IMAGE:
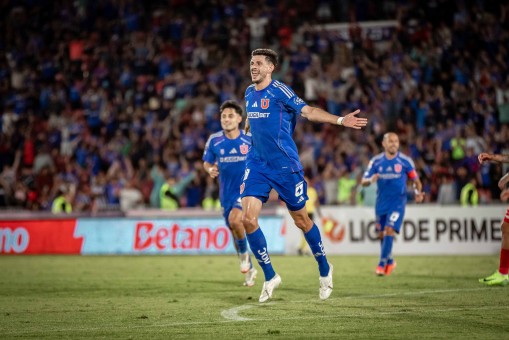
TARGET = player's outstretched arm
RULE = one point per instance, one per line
(487, 157)
(318, 115)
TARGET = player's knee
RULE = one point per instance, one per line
(303, 222)
(389, 231)
(235, 224)
(249, 222)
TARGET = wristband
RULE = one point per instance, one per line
(340, 120)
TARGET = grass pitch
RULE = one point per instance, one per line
(202, 297)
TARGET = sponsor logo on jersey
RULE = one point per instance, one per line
(221, 151)
(398, 168)
(389, 168)
(233, 151)
(265, 103)
(244, 148)
(255, 104)
(254, 115)
(389, 176)
(232, 159)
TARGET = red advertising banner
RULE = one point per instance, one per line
(39, 237)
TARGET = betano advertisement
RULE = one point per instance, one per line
(427, 230)
(129, 236)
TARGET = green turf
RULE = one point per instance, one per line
(202, 297)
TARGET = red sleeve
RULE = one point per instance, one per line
(412, 174)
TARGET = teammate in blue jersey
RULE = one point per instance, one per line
(225, 156)
(273, 163)
(390, 170)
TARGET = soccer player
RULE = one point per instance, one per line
(273, 163)
(225, 156)
(500, 277)
(390, 170)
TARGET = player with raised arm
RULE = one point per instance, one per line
(273, 163)
(391, 170)
(225, 157)
(500, 277)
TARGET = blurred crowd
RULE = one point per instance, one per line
(103, 102)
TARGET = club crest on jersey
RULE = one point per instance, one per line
(242, 187)
(398, 168)
(265, 103)
(244, 148)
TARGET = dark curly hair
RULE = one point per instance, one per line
(268, 53)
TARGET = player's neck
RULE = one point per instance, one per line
(266, 82)
(389, 156)
(232, 134)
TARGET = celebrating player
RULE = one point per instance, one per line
(225, 156)
(273, 163)
(390, 170)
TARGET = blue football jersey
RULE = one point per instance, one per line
(392, 178)
(230, 155)
(272, 114)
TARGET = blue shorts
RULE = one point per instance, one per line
(291, 187)
(392, 219)
(228, 208)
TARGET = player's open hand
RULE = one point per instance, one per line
(351, 121)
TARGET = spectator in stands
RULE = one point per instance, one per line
(62, 203)
(469, 194)
(171, 192)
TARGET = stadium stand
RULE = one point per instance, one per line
(106, 99)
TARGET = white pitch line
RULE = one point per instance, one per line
(232, 313)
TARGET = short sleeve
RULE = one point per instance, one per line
(208, 154)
